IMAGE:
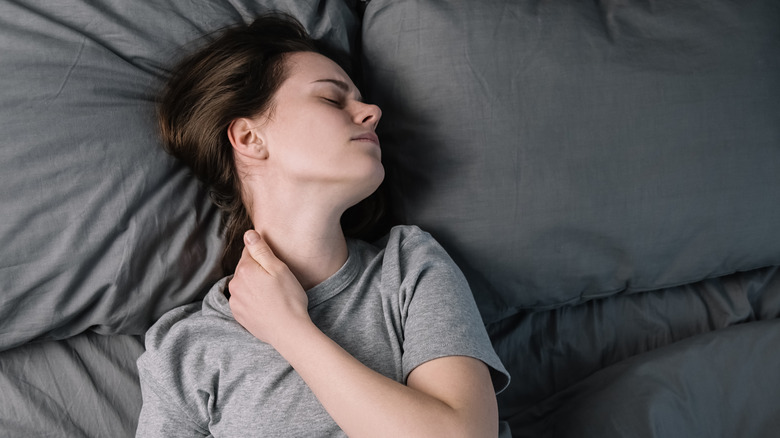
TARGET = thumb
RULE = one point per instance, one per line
(260, 251)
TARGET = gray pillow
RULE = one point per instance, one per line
(563, 151)
(100, 229)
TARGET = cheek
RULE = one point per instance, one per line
(314, 125)
(286, 134)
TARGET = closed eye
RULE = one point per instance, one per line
(333, 101)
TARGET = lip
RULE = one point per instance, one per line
(368, 136)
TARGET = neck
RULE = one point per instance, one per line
(307, 237)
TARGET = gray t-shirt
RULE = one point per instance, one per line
(393, 307)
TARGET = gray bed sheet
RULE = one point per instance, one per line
(720, 384)
(553, 356)
(84, 386)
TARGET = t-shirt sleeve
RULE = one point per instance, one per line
(169, 399)
(441, 317)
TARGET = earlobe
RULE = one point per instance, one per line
(246, 139)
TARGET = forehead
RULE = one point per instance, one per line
(310, 66)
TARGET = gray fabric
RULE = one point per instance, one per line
(84, 386)
(393, 307)
(564, 151)
(555, 349)
(718, 385)
(99, 229)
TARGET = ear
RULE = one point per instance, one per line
(245, 136)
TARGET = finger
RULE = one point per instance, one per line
(260, 251)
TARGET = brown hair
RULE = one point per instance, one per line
(235, 75)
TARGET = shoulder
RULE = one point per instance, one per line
(413, 262)
(188, 333)
(406, 233)
(177, 322)
(174, 324)
(409, 243)
(403, 245)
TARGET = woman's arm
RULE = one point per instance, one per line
(451, 396)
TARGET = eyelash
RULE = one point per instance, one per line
(335, 102)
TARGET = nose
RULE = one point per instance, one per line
(368, 114)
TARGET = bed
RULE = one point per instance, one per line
(606, 174)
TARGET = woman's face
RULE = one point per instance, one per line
(320, 133)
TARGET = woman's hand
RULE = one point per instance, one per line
(265, 296)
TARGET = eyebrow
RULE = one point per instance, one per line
(340, 84)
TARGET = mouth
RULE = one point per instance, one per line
(369, 136)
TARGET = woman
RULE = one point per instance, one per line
(315, 334)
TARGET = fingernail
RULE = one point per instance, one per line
(251, 237)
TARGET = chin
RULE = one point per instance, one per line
(379, 176)
(369, 184)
